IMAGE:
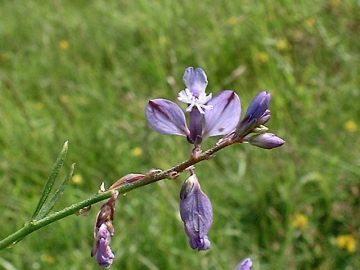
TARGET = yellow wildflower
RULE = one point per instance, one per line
(282, 44)
(77, 179)
(347, 242)
(232, 21)
(47, 259)
(137, 151)
(65, 99)
(350, 126)
(64, 44)
(310, 22)
(261, 57)
(335, 3)
(300, 221)
(39, 106)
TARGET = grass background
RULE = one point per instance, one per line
(83, 71)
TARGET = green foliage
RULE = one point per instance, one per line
(84, 70)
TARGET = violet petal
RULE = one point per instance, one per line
(166, 117)
(225, 114)
(196, 213)
(104, 256)
(196, 119)
(195, 80)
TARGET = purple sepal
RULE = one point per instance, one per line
(166, 117)
(264, 118)
(196, 213)
(265, 140)
(195, 80)
(224, 115)
(196, 119)
(255, 113)
(104, 256)
(245, 265)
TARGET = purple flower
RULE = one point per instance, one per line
(102, 247)
(196, 213)
(245, 265)
(265, 140)
(208, 116)
(258, 113)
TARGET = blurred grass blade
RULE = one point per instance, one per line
(51, 180)
(59, 192)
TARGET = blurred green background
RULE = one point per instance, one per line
(83, 71)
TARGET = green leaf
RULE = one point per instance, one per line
(59, 192)
(51, 180)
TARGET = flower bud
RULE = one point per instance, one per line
(245, 265)
(257, 114)
(265, 140)
(196, 213)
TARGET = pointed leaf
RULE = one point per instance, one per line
(51, 180)
(59, 192)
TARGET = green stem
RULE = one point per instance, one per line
(123, 188)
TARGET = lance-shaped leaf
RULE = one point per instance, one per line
(58, 193)
(224, 115)
(196, 213)
(51, 180)
(166, 117)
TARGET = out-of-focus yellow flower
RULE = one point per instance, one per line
(335, 3)
(233, 20)
(300, 221)
(39, 106)
(77, 179)
(47, 259)
(298, 35)
(282, 44)
(310, 22)
(64, 44)
(347, 242)
(261, 57)
(137, 151)
(350, 126)
(65, 99)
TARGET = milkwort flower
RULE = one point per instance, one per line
(196, 213)
(209, 116)
(103, 231)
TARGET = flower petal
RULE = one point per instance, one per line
(195, 80)
(224, 115)
(196, 213)
(104, 256)
(196, 119)
(166, 117)
(265, 140)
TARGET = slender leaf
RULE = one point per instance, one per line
(47, 207)
(51, 180)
